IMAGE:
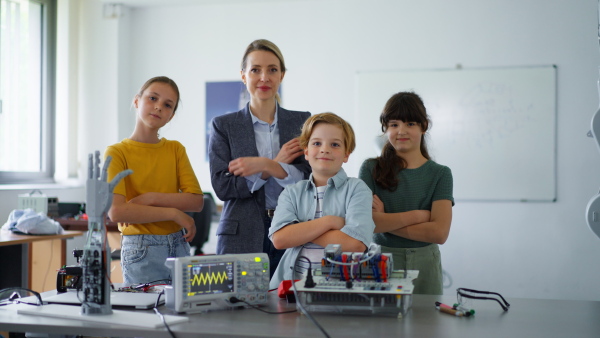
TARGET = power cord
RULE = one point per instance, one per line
(309, 283)
(299, 302)
(162, 317)
(234, 300)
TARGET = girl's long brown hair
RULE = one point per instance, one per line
(405, 107)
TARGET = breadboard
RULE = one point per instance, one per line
(392, 297)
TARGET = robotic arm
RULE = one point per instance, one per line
(96, 258)
(99, 191)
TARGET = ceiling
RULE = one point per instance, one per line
(157, 3)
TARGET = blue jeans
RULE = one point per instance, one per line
(143, 256)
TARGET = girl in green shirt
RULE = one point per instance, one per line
(412, 202)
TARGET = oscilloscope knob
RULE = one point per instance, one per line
(250, 286)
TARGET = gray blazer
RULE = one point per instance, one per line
(241, 228)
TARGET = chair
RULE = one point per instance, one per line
(203, 219)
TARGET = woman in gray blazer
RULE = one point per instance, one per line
(253, 154)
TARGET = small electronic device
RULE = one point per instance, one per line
(69, 276)
(357, 283)
(39, 202)
(202, 283)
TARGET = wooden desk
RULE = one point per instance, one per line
(82, 225)
(31, 261)
(9, 238)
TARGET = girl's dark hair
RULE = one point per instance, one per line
(405, 107)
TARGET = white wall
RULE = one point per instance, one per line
(533, 250)
(538, 250)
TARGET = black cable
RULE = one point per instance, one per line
(158, 298)
(299, 303)
(162, 317)
(146, 285)
(309, 283)
(234, 300)
(504, 304)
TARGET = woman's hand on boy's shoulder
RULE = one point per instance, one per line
(289, 151)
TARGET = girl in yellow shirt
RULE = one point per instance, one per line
(150, 204)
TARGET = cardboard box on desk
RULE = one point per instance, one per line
(39, 202)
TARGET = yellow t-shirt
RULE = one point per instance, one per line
(162, 167)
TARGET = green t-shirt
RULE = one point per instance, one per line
(417, 189)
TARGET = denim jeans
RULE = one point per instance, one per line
(143, 256)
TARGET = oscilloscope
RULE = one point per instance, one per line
(202, 283)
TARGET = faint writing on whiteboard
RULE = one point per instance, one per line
(484, 115)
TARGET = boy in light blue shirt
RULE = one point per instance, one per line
(328, 208)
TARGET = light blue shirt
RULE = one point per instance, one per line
(267, 143)
(347, 197)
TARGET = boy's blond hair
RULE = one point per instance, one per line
(330, 118)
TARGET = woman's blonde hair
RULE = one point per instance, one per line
(266, 45)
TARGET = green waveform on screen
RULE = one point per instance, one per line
(209, 278)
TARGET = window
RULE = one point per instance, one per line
(27, 67)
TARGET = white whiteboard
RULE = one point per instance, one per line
(494, 128)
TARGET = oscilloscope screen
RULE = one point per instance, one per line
(211, 278)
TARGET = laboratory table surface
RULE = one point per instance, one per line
(525, 318)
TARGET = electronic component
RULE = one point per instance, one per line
(39, 202)
(201, 283)
(69, 277)
(357, 283)
(96, 287)
(96, 252)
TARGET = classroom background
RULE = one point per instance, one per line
(519, 249)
